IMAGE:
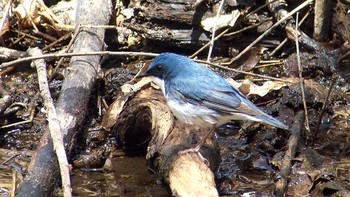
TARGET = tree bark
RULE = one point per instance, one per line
(75, 93)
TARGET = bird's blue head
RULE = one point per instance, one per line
(167, 66)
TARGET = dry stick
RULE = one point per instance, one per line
(123, 53)
(102, 26)
(45, 36)
(343, 57)
(18, 39)
(29, 17)
(62, 38)
(14, 181)
(301, 73)
(214, 31)
(8, 54)
(322, 20)
(224, 34)
(206, 45)
(4, 17)
(57, 55)
(261, 65)
(54, 17)
(25, 35)
(247, 28)
(54, 124)
(31, 118)
(255, 25)
(71, 27)
(7, 160)
(270, 61)
(301, 6)
(70, 44)
(286, 39)
(260, 8)
(322, 111)
(65, 27)
(281, 185)
(278, 47)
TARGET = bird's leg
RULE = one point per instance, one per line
(200, 143)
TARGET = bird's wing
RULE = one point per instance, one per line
(214, 93)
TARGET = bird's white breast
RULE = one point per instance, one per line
(159, 83)
(193, 114)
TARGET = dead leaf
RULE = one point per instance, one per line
(28, 13)
(252, 58)
(249, 88)
(223, 21)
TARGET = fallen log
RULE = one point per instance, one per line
(144, 117)
(72, 103)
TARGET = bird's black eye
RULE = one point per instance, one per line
(157, 71)
(159, 68)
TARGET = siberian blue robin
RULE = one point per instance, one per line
(199, 96)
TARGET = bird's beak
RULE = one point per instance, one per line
(143, 71)
(140, 75)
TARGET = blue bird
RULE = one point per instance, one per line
(199, 96)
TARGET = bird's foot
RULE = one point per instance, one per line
(195, 150)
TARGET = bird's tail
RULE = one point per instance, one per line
(265, 118)
(255, 114)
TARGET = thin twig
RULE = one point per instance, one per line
(57, 55)
(322, 111)
(14, 181)
(70, 44)
(208, 44)
(247, 28)
(62, 38)
(259, 8)
(29, 16)
(45, 36)
(301, 73)
(281, 184)
(229, 34)
(286, 39)
(278, 47)
(125, 53)
(31, 118)
(26, 35)
(102, 26)
(277, 63)
(48, 10)
(10, 158)
(5, 14)
(301, 6)
(54, 124)
(235, 32)
(214, 31)
(344, 56)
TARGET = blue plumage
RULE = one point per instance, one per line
(199, 96)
